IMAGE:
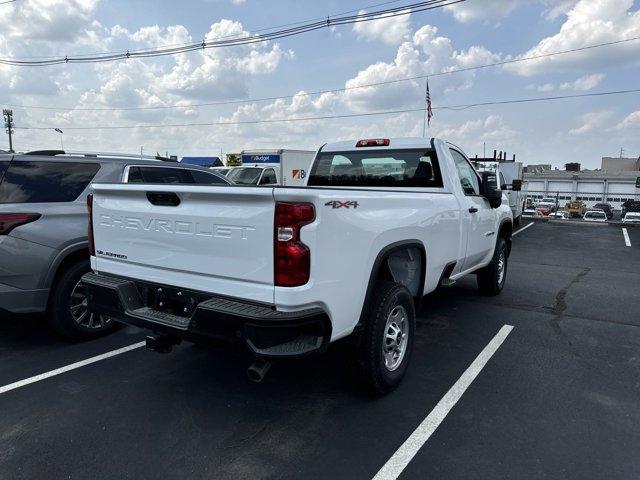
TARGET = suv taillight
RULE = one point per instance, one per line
(292, 259)
(92, 246)
(9, 221)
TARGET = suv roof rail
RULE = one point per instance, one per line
(76, 153)
(47, 153)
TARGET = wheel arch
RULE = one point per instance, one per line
(70, 255)
(384, 269)
(506, 232)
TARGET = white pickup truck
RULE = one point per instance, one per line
(285, 271)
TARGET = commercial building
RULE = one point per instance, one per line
(618, 180)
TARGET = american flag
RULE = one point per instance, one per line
(428, 100)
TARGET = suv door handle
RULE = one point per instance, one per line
(473, 210)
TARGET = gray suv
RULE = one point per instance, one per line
(43, 228)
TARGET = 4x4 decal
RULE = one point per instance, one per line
(340, 204)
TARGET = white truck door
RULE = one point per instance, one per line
(478, 218)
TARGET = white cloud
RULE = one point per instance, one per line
(238, 2)
(425, 54)
(545, 87)
(389, 29)
(588, 22)
(47, 20)
(591, 121)
(584, 83)
(483, 10)
(631, 121)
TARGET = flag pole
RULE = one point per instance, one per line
(424, 114)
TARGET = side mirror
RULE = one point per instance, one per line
(490, 189)
(516, 185)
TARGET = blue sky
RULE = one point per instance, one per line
(471, 33)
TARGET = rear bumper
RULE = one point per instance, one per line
(267, 332)
(16, 300)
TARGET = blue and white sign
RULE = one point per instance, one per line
(249, 159)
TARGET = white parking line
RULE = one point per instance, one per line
(397, 463)
(523, 228)
(73, 366)
(627, 240)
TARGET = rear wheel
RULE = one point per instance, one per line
(68, 311)
(387, 340)
(491, 279)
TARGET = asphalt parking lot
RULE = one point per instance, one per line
(558, 398)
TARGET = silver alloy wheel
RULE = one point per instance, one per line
(80, 311)
(502, 261)
(394, 344)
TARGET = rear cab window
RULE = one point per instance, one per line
(377, 168)
(45, 181)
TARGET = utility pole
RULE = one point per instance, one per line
(8, 125)
(621, 152)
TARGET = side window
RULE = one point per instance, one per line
(3, 166)
(468, 176)
(39, 182)
(159, 175)
(204, 178)
(268, 177)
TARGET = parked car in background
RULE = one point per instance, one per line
(43, 228)
(631, 217)
(206, 162)
(548, 203)
(559, 215)
(630, 206)
(253, 176)
(576, 208)
(544, 211)
(595, 216)
(531, 213)
(605, 207)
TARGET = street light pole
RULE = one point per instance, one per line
(8, 125)
(61, 143)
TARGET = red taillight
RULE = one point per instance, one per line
(374, 142)
(92, 246)
(292, 259)
(9, 221)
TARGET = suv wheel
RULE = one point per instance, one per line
(69, 315)
(387, 340)
(491, 278)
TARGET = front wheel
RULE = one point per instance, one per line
(69, 315)
(491, 279)
(387, 340)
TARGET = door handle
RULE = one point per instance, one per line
(473, 210)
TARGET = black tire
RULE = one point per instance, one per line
(490, 281)
(60, 317)
(376, 376)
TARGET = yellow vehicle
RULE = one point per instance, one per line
(576, 208)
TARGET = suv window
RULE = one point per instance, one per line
(38, 182)
(138, 174)
(468, 176)
(268, 177)
(3, 166)
(377, 168)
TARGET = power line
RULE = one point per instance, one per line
(335, 90)
(244, 40)
(8, 1)
(346, 115)
(234, 35)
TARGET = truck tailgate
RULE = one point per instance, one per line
(212, 239)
